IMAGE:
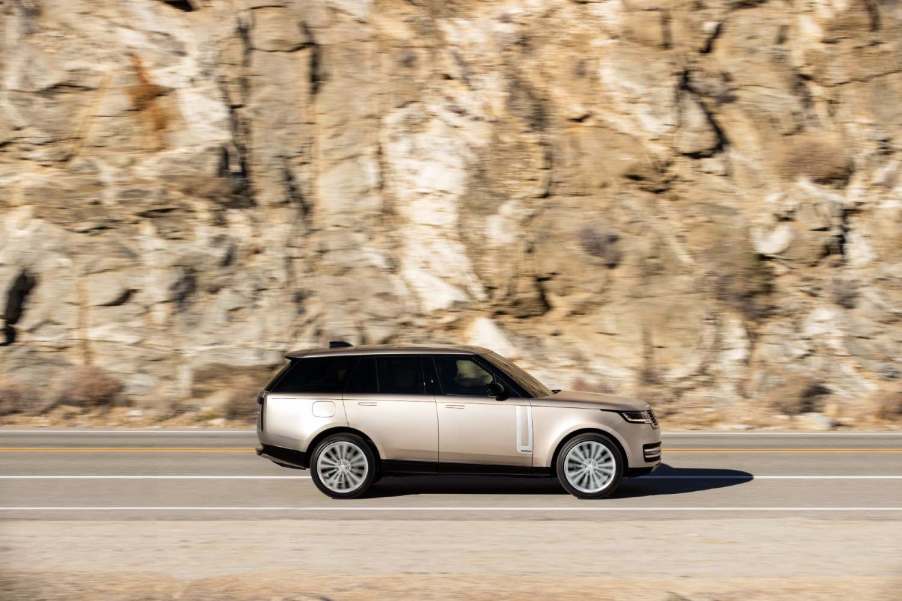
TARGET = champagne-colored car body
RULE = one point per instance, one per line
(431, 432)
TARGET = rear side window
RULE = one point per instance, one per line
(391, 375)
(316, 374)
(363, 379)
(400, 375)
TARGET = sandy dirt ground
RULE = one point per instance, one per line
(295, 560)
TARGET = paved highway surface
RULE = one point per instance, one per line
(204, 475)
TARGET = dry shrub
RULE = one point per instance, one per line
(242, 401)
(601, 244)
(90, 386)
(583, 385)
(845, 293)
(888, 404)
(797, 395)
(741, 279)
(13, 396)
(239, 384)
(820, 158)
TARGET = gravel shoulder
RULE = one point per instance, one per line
(748, 559)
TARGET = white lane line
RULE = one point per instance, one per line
(127, 431)
(639, 479)
(665, 435)
(446, 509)
(151, 477)
(753, 477)
(694, 433)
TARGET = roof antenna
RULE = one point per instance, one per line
(339, 344)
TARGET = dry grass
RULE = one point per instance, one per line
(90, 386)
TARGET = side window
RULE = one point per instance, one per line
(317, 374)
(363, 378)
(462, 376)
(270, 387)
(400, 375)
(429, 376)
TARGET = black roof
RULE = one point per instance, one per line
(388, 350)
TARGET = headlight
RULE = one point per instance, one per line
(637, 417)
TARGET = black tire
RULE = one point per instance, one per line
(332, 445)
(586, 491)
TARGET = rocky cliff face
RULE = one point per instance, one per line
(697, 201)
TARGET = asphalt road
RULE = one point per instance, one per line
(212, 475)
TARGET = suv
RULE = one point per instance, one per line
(353, 414)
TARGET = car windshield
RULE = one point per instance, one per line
(529, 383)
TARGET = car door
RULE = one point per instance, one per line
(387, 399)
(474, 427)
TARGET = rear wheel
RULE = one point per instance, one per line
(343, 466)
(589, 466)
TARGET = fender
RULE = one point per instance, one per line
(336, 429)
(552, 440)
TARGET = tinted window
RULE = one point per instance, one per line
(317, 374)
(363, 377)
(429, 375)
(459, 375)
(400, 375)
(275, 379)
(518, 375)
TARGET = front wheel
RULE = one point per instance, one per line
(589, 466)
(343, 466)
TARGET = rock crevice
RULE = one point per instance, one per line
(698, 204)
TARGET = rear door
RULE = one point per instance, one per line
(387, 398)
(475, 428)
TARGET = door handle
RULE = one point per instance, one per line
(367, 403)
(454, 406)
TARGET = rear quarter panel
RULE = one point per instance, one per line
(291, 421)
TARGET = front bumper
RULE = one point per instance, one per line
(644, 448)
(651, 452)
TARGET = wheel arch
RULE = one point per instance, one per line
(342, 430)
(590, 430)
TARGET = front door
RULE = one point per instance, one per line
(475, 428)
(386, 398)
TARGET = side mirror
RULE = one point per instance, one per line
(498, 391)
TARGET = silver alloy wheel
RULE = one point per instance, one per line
(342, 466)
(590, 467)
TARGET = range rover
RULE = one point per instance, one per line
(353, 414)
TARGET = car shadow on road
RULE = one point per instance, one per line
(669, 480)
(666, 480)
(397, 486)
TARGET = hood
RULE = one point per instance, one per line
(591, 400)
